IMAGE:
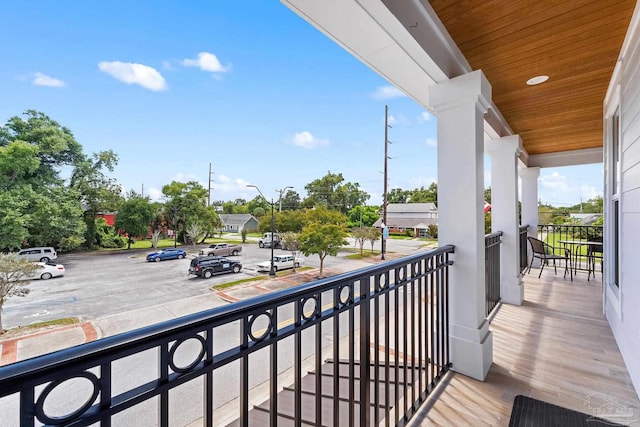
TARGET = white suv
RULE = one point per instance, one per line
(39, 254)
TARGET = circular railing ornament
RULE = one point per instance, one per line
(176, 345)
(53, 420)
(267, 330)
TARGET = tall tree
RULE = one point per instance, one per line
(187, 201)
(98, 192)
(55, 147)
(363, 216)
(290, 201)
(38, 209)
(135, 216)
(330, 192)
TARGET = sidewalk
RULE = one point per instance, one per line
(46, 341)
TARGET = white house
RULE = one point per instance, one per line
(416, 217)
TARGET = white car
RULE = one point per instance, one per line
(281, 262)
(47, 270)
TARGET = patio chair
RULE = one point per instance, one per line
(594, 252)
(545, 253)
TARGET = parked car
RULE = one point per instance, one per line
(169, 253)
(281, 262)
(47, 270)
(44, 254)
(222, 249)
(207, 266)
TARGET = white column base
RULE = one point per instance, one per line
(470, 358)
(512, 291)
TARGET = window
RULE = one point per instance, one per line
(613, 132)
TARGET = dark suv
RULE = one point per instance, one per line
(207, 266)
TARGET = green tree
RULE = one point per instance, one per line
(13, 222)
(398, 195)
(363, 216)
(53, 147)
(98, 192)
(38, 209)
(135, 216)
(188, 202)
(330, 192)
(13, 272)
(290, 201)
(324, 234)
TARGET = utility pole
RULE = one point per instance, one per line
(283, 190)
(209, 190)
(384, 192)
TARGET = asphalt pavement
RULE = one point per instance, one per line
(48, 340)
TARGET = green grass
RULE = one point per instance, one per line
(357, 255)
(254, 279)
(25, 329)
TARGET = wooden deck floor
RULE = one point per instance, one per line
(556, 347)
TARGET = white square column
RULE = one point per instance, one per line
(460, 105)
(529, 179)
(504, 154)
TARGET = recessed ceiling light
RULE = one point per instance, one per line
(537, 80)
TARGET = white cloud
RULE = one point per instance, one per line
(154, 194)
(431, 142)
(387, 92)
(554, 181)
(558, 190)
(207, 62)
(425, 117)
(306, 140)
(40, 79)
(131, 73)
(184, 177)
(227, 185)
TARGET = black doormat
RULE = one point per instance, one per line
(528, 412)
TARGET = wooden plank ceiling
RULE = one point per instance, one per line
(576, 43)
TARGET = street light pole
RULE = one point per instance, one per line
(272, 270)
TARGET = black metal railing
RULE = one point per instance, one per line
(569, 236)
(492, 244)
(524, 245)
(386, 324)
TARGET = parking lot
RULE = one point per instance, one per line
(101, 284)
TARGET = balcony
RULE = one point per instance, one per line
(556, 347)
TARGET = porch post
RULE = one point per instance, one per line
(529, 178)
(504, 213)
(460, 105)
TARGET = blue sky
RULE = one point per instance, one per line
(246, 86)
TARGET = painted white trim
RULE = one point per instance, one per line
(566, 158)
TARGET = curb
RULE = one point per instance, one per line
(9, 351)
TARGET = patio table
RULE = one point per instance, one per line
(574, 248)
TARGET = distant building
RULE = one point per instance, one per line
(410, 216)
(235, 223)
(109, 217)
